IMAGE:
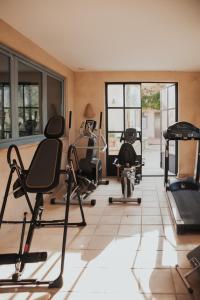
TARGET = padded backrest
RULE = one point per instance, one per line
(130, 135)
(43, 173)
(127, 155)
(55, 127)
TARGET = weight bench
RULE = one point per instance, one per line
(42, 176)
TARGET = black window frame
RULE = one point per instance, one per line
(123, 108)
(14, 58)
(170, 83)
(109, 157)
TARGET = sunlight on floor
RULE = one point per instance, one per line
(125, 252)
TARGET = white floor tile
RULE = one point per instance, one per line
(126, 251)
(106, 229)
(130, 230)
(151, 220)
(134, 220)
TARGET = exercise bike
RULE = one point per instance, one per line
(129, 166)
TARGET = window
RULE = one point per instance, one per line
(29, 100)
(5, 106)
(29, 95)
(54, 96)
(144, 121)
(123, 111)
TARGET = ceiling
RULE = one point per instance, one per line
(112, 35)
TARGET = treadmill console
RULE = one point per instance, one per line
(182, 131)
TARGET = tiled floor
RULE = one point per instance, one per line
(125, 252)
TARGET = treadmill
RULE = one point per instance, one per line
(183, 195)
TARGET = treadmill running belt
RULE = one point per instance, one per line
(188, 204)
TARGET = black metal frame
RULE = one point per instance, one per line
(24, 256)
(124, 111)
(180, 225)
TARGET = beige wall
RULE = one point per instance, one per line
(90, 87)
(16, 41)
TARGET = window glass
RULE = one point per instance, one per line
(29, 100)
(133, 118)
(172, 147)
(115, 120)
(114, 143)
(54, 97)
(132, 95)
(137, 147)
(171, 117)
(5, 103)
(144, 121)
(163, 98)
(115, 95)
(164, 121)
(171, 96)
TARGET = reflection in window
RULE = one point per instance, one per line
(54, 97)
(29, 100)
(5, 106)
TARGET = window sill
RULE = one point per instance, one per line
(24, 142)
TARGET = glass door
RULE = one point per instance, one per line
(123, 107)
(168, 109)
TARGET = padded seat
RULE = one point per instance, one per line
(127, 155)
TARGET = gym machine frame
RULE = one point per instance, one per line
(183, 131)
(23, 187)
(85, 132)
(191, 184)
(102, 146)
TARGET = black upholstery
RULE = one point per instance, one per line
(87, 165)
(130, 135)
(55, 127)
(43, 173)
(127, 155)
